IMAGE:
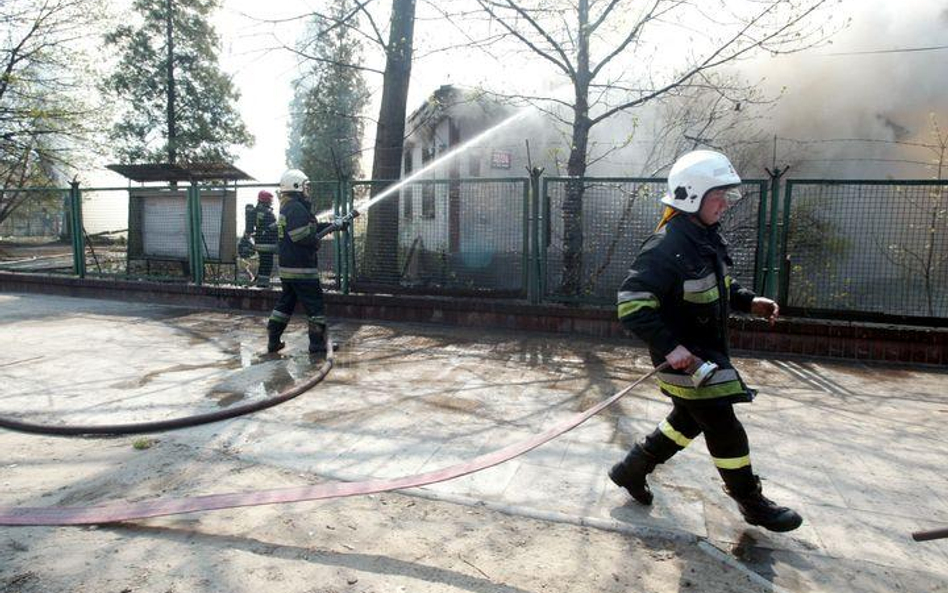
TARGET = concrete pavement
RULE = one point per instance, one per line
(859, 450)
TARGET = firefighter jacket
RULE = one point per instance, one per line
(265, 229)
(679, 292)
(297, 229)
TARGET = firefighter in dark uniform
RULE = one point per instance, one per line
(299, 276)
(264, 236)
(676, 298)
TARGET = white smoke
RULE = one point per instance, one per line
(846, 112)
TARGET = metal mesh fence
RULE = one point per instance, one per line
(443, 237)
(146, 232)
(106, 229)
(34, 237)
(867, 246)
(617, 215)
(143, 232)
(847, 247)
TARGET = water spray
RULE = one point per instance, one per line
(340, 221)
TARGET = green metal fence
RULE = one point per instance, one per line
(164, 233)
(861, 249)
(36, 233)
(866, 247)
(617, 215)
(436, 236)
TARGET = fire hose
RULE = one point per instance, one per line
(176, 423)
(924, 536)
(126, 511)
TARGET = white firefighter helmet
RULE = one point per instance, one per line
(693, 175)
(294, 180)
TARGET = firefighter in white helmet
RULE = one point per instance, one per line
(297, 243)
(677, 298)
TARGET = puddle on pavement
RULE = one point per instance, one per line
(260, 375)
(252, 372)
(177, 368)
(226, 399)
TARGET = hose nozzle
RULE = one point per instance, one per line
(701, 371)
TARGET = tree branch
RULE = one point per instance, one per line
(332, 62)
(715, 58)
(565, 65)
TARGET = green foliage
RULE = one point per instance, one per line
(326, 125)
(208, 126)
(817, 245)
(47, 114)
(142, 443)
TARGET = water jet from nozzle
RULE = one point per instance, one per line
(365, 205)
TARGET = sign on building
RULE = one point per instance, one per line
(500, 159)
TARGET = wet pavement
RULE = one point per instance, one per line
(859, 450)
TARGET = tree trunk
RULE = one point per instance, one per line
(381, 248)
(576, 166)
(172, 128)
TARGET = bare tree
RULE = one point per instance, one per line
(608, 52)
(381, 250)
(46, 114)
(398, 50)
(927, 255)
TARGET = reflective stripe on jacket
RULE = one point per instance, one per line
(298, 244)
(265, 229)
(679, 292)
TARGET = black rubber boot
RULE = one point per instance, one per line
(757, 508)
(274, 331)
(317, 338)
(630, 473)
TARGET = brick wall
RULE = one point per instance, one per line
(805, 337)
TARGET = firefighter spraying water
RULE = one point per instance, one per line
(300, 234)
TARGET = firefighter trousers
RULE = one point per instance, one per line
(723, 434)
(310, 294)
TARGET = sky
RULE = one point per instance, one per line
(884, 96)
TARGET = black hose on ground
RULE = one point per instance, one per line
(924, 536)
(176, 423)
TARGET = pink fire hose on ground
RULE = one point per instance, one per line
(127, 511)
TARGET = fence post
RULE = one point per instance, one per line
(771, 276)
(340, 208)
(76, 226)
(195, 234)
(783, 290)
(546, 233)
(348, 197)
(760, 260)
(532, 246)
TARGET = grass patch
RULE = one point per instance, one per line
(143, 443)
